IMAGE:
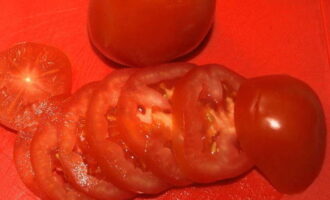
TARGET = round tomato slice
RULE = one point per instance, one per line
(46, 165)
(145, 118)
(281, 126)
(29, 73)
(205, 140)
(116, 160)
(29, 120)
(74, 153)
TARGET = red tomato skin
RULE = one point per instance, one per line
(281, 126)
(144, 32)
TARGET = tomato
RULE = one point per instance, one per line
(48, 171)
(144, 32)
(74, 153)
(117, 161)
(145, 118)
(281, 126)
(28, 125)
(29, 73)
(205, 140)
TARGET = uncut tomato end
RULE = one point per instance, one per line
(281, 126)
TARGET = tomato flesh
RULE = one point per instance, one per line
(75, 154)
(144, 32)
(30, 72)
(205, 140)
(145, 118)
(281, 126)
(116, 160)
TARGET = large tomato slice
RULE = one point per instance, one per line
(29, 120)
(30, 72)
(78, 164)
(116, 160)
(205, 139)
(144, 117)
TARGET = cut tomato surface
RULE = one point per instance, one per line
(116, 160)
(30, 72)
(77, 161)
(205, 140)
(28, 124)
(145, 118)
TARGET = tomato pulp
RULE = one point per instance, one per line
(280, 124)
(78, 163)
(117, 161)
(204, 136)
(145, 118)
(144, 32)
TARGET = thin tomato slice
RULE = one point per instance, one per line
(115, 159)
(48, 170)
(205, 139)
(30, 72)
(145, 118)
(43, 110)
(78, 164)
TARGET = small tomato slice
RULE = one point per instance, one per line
(281, 126)
(29, 121)
(30, 72)
(145, 118)
(77, 162)
(205, 140)
(46, 165)
(116, 160)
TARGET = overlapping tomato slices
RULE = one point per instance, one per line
(29, 73)
(77, 162)
(30, 119)
(138, 131)
(204, 135)
(145, 118)
(116, 159)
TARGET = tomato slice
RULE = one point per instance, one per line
(30, 72)
(29, 120)
(46, 165)
(281, 126)
(205, 140)
(144, 117)
(116, 160)
(77, 162)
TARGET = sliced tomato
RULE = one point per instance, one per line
(29, 121)
(205, 140)
(145, 118)
(116, 160)
(74, 153)
(29, 73)
(48, 170)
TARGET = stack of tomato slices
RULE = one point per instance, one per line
(137, 131)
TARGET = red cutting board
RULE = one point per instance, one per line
(252, 37)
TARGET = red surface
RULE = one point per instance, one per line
(252, 37)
